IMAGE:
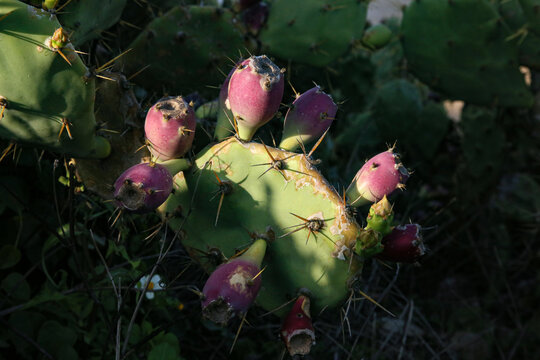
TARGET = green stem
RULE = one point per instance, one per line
(255, 253)
(176, 165)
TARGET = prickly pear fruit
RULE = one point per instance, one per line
(143, 187)
(403, 244)
(170, 128)
(381, 216)
(297, 330)
(377, 36)
(255, 92)
(380, 176)
(309, 117)
(232, 287)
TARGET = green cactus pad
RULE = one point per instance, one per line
(482, 143)
(253, 202)
(461, 48)
(401, 115)
(531, 10)
(528, 41)
(184, 48)
(313, 32)
(41, 88)
(87, 19)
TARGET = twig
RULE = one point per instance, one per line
(406, 329)
(118, 294)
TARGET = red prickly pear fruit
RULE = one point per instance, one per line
(297, 330)
(170, 128)
(225, 116)
(255, 93)
(380, 176)
(232, 287)
(404, 244)
(309, 117)
(143, 187)
(255, 17)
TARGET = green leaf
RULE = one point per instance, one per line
(45, 296)
(53, 337)
(16, 286)
(163, 351)
(167, 338)
(9, 256)
(67, 353)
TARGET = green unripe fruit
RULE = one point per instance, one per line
(377, 36)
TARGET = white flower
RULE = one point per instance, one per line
(154, 284)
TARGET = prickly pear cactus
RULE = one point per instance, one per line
(46, 90)
(531, 10)
(403, 114)
(87, 18)
(185, 48)
(236, 188)
(483, 146)
(462, 49)
(321, 30)
(528, 41)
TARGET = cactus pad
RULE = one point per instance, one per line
(321, 30)
(184, 48)
(49, 102)
(291, 202)
(87, 18)
(461, 48)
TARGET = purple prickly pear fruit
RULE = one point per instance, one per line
(255, 17)
(309, 117)
(404, 244)
(232, 287)
(143, 187)
(297, 330)
(380, 176)
(255, 93)
(170, 128)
